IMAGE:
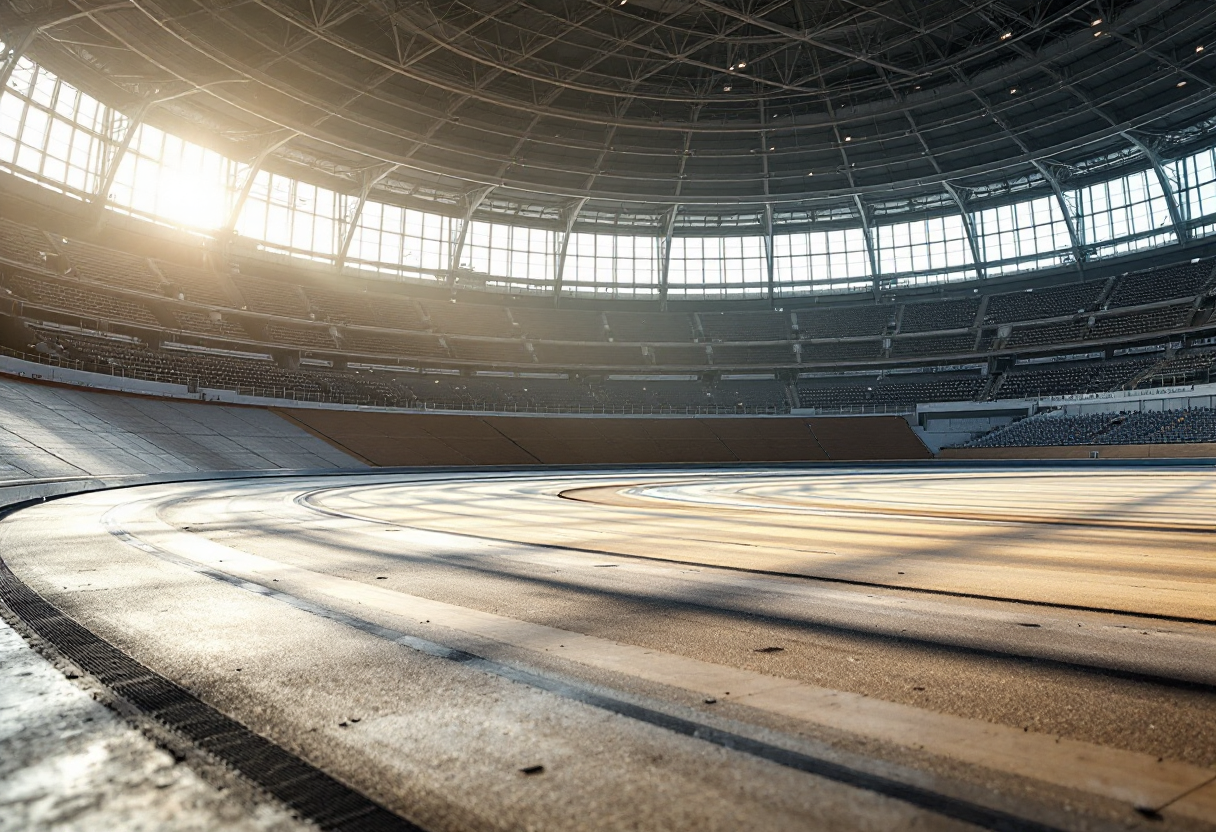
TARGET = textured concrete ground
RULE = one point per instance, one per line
(48, 431)
(1037, 645)
(70, 763)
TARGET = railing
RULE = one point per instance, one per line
(197, 384)
(860, 409)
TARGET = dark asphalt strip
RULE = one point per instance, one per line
(940, 804)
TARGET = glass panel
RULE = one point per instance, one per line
(934, 249)
(292, 217)
(821, 261)
(525, 255)
(607, 265)
(717, 267)
(1131, 207)
(1026, 235)
(51, 133)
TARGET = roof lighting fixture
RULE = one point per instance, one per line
(810, 173)
(848, 138)
(1013, 91)
(1007, 36)
(1182, 83)
(1199, 48)
(742, 64)
(1097, 22)
(726, 88)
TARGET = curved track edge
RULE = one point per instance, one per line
(319, 798)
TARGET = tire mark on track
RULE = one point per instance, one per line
(944, 805)
(306, 500)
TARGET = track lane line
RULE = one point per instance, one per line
(309, 499)
(1131, 777)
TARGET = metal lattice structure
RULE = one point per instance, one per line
(665, 117)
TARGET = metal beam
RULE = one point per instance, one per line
(968, 222)
(1074, 235)
(371, 178)
(768, 254)
(473, 201)
(969, 227)
(13, 52)
(1171, 198)
(871, 250)
(669, 228)
(255, 165)
(96, 212)
(1078, 251)
(571, 216)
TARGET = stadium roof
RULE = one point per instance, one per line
(745, 114)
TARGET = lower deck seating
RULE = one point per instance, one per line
(588, 355)
(1137, 428)
(76, 299)
(309, 337)
(770, 355)
(892, 391)
(1071, 377)
(1191, 367)
(203, 323)
(204, 369)
(197, 285)
(933, 345)
(24, 244)
(841, 351)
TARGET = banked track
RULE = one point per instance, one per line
(397, 650)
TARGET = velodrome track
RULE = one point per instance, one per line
(713, 649)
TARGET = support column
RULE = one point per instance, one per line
(1078, 251)
(768, 253)
(473, 202)
(255, 165)
(371, 178)
(21, 41)
(571, 216)
(101, 197)
(969, 227)
(871, 250)
(1167, 187)
(669, 228)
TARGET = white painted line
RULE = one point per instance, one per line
(1136, 778)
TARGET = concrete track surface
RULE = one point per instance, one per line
(772, 649)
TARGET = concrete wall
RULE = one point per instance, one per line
(425, 439)
(52, 431)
